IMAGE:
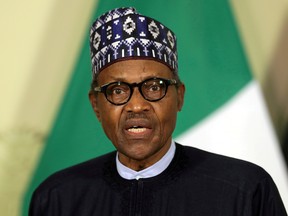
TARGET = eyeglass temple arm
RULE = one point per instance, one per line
(98, 89)
(173, 82)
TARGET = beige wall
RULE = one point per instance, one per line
(263, 27)
(260, 24)
(39, 45)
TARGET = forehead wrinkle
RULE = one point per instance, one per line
(125, 76)
(111, 76)
(144, 69)
(133, 71)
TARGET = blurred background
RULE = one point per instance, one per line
(46, 122)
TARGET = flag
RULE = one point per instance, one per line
(223, 112)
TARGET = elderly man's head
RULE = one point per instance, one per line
(136, 92)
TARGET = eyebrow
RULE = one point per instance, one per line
(124, 79)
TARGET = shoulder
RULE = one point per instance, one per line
(222, 168)
(90, 170)
(237, 180)
(71, 184)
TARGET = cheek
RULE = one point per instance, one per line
(167, 115)
(109, 117)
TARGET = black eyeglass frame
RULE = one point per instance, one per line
(103, 89)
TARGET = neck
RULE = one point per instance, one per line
(138, 164)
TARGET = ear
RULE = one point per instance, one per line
(180, 98)
(94, 103)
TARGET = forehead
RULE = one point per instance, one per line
(134, 70)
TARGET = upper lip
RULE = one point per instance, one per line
(143, 123)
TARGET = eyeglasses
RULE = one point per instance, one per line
(119, 93)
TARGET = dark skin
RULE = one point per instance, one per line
(143, 146)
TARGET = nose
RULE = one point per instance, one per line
(137, 103)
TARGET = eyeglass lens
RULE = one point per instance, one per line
(151, 90)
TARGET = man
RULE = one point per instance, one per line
(136, 94)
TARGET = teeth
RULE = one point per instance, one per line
(136, 130)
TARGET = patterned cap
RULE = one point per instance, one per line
(123, 33)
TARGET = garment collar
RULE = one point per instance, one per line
(149, 172)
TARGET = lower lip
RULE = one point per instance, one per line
(138, 132)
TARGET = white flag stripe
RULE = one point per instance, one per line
(242, 129)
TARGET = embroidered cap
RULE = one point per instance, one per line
(123, 33)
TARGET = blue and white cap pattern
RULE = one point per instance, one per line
(123, 33)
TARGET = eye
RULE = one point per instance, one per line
(117, 89)
(154, 87)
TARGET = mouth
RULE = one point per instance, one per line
(138, 127)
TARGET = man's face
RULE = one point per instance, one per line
(140, 130)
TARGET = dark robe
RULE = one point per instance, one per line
(196, 183)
